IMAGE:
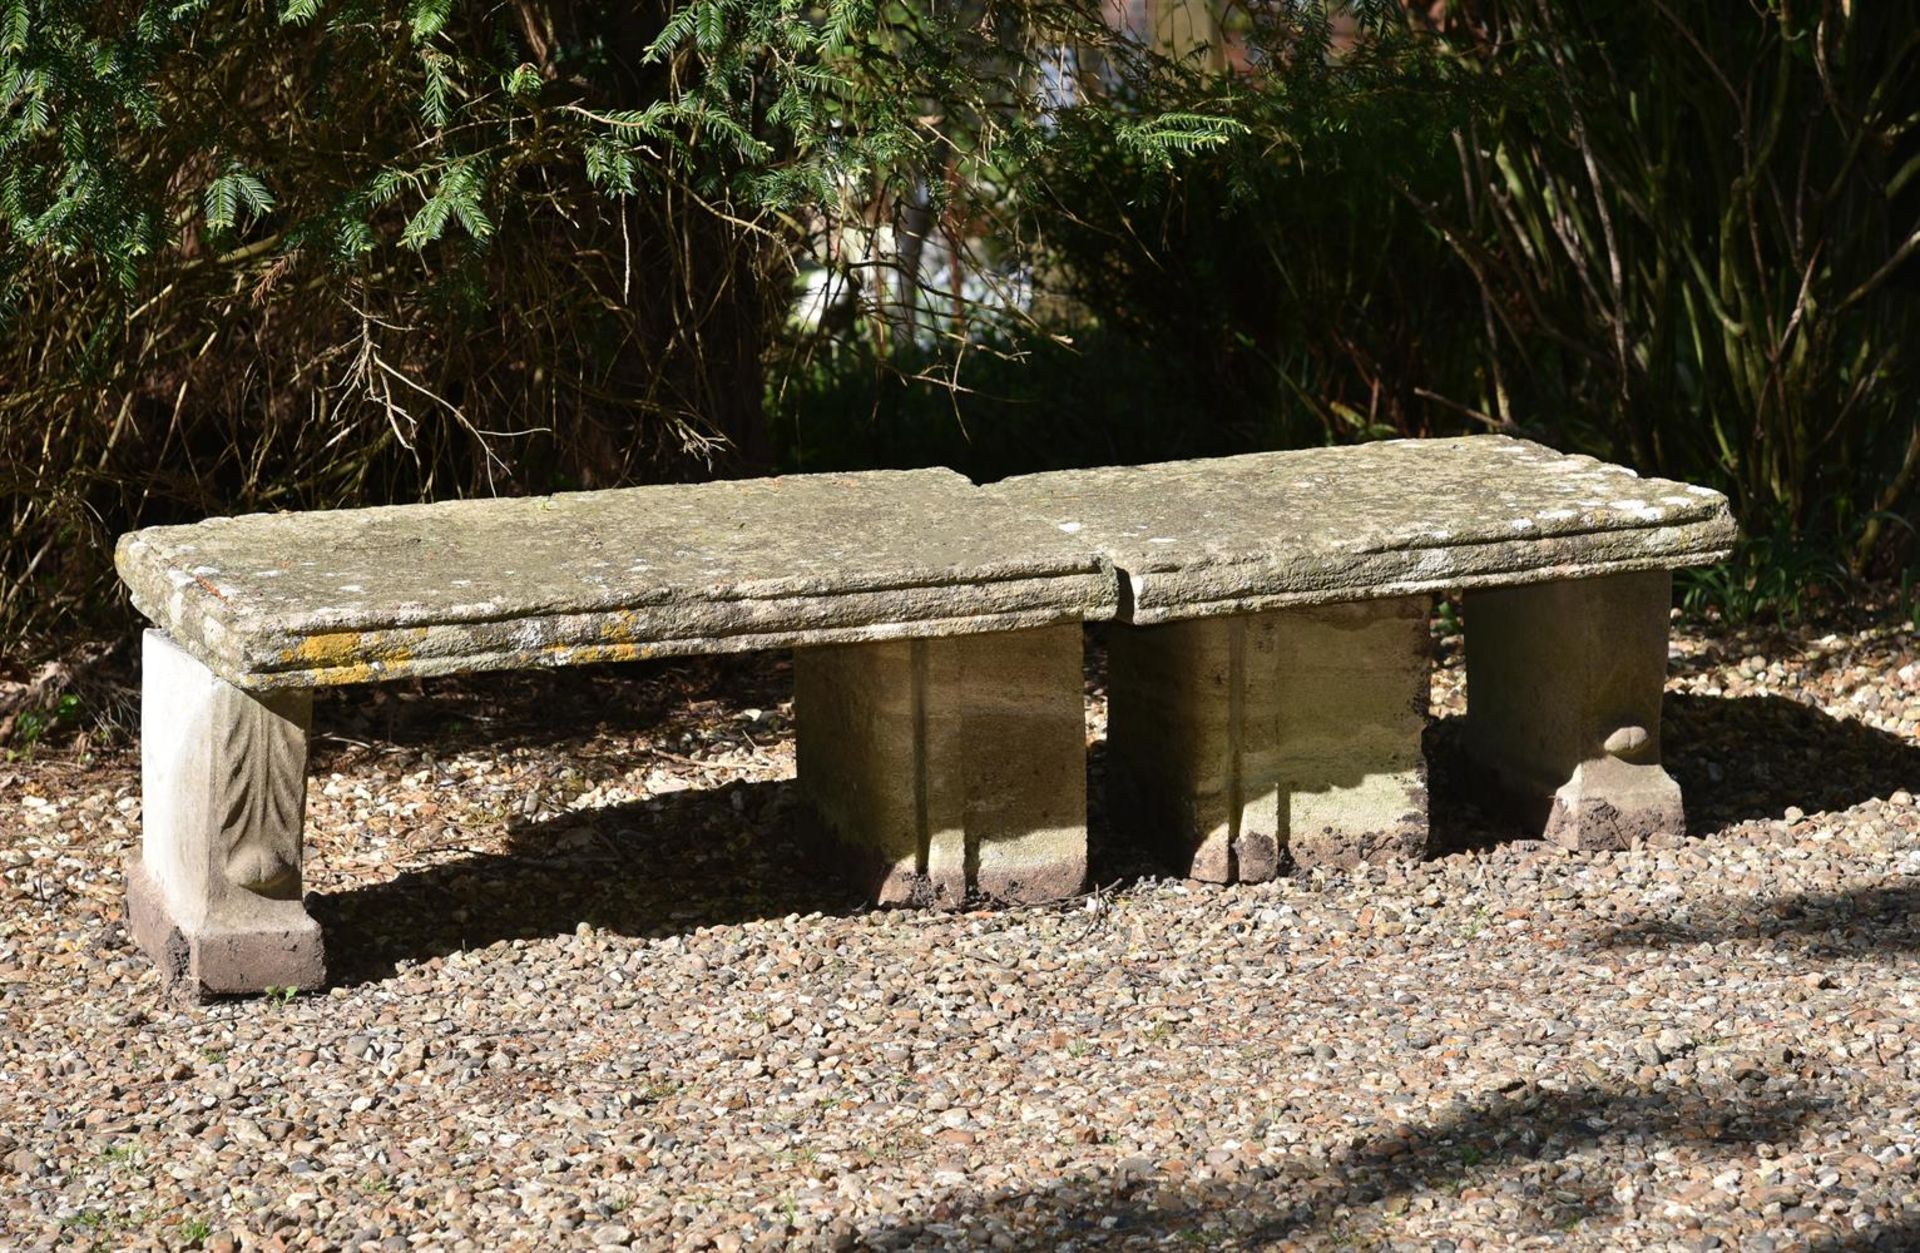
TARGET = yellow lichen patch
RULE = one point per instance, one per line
(353, 656)
(619, 628)
(354, 672)
(322, 652)
(582, 654)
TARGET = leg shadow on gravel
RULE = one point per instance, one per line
(1737, 759)
(1900, 1236)
(1360, 1192)
(662, 866)
(1111, 860)
(1455, 821)
(1838, 925)
(496, 711)
(1742, 758)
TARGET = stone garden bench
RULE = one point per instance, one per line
(937, 671)
(1267, 676)
(1269, 686)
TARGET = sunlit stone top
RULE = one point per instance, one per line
(297, 599)
(1266, 530)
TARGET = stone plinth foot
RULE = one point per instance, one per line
(1563, 707)
(1239, 744)
(952, 764)
(214, 895)
(253, 946)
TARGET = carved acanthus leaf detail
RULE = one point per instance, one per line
(263, 799)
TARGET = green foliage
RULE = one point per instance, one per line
(1774, 575)
(1698, 253)
(344, 251)
(1686, 238)
(1162, 137)
(226, 194)
(1278, 264)
(1220, 262)
(246, 262)
(456, 197)
(1908, 596)
(769, 105)
(1017, 402)
(30, 726)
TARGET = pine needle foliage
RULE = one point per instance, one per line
(1302, 286)
(260, 254)
(284, 253)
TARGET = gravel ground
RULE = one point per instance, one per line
(589, 993)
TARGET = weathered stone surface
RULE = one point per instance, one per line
(1236, 744)
(1563, 706)
(214, 894)
(1267, 530)
(296, 600)
(943, 765)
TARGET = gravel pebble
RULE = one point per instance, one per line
(590, 992)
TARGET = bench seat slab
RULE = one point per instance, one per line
(1563, 707)
(214, 892)
(309, 599)
(1243, 743)
(1263, 531)
(947, 765)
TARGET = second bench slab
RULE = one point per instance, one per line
(1268, 665)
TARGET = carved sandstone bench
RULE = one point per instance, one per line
(1268, 680)
(1269, 686)
(937, 672)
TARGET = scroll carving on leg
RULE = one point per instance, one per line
(264, 799)
(214, 895)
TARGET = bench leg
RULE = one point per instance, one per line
(1563, 706)
(1234, 741)
(214, 894)
(947, 764)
